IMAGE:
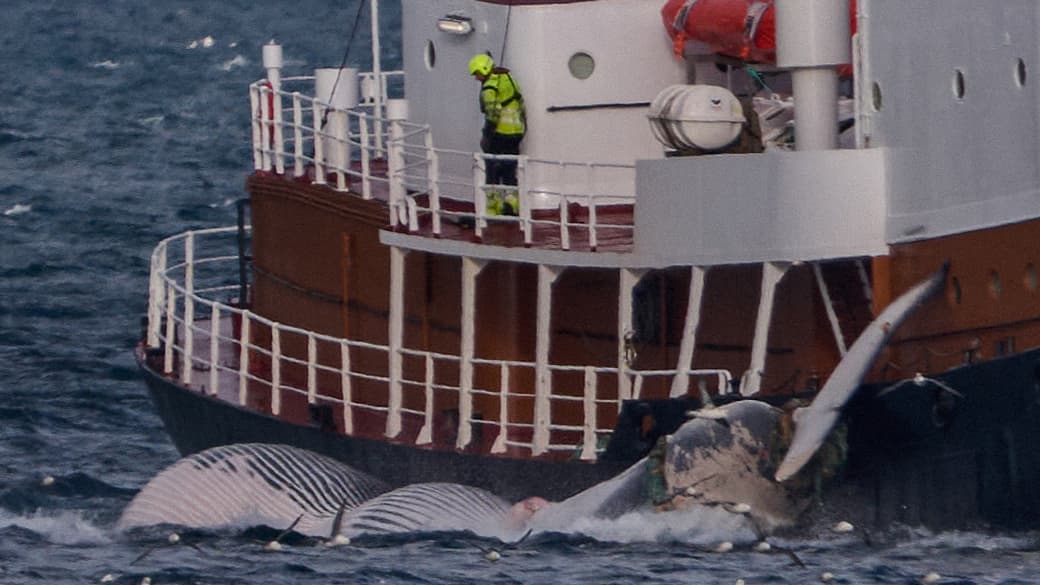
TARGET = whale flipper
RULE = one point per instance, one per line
(251, 484)
(815, 423)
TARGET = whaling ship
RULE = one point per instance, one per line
(715, 199)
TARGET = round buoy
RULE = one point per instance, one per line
(843, 527)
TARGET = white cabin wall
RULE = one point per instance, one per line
(634, 61)
(966, 162)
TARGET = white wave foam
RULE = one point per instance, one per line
(17, 209)
(106, 64)
(701, 525)
(205, 43)
(66, 527)
(237, 61)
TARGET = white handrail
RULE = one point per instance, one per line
(174, 295)
(415, 165)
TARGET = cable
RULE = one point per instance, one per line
(505, 36)
(343, 62)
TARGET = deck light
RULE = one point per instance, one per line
(455, 24)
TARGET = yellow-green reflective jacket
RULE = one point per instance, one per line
(502, 104)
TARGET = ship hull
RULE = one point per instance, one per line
(196, 422)
(953, 450)
(918, 455)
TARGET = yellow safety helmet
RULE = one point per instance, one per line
(482, 64)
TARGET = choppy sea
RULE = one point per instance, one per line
(125, 121)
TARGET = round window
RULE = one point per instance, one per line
(581, 65)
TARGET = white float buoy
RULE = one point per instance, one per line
(492, 555)
(843, 527)
(690, 491)
(108, 578)
(930, 578)
(174, 538)
(338, 540)
(273, 546)
(146, 581)
(740, 508)
(827, 577)
(763, 547)
(47, 481)
(724, 547)
(739, 582)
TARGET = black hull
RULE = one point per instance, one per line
(922, 455)
(918, 455)
(196, 422)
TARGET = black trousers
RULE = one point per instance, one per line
(502, 172)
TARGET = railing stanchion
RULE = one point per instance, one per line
(312, 370)
(523, 197)
(276, 370)
(396, 339)
(298, 169)
(189, 309)
(243, 359)
(171, 328)
(156, 298)
(433, 178)
(279, 138)
(339, 122)
(547, 276)
(397, 113)
(479, 195)
(317, 111)
(256, 116)
(366, 157)
(565, 229)
(345, 388)
(588, 449)
(426, 432)
(214, 348)
(265, 127)
(503, 411)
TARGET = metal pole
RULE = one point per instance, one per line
(377, 74)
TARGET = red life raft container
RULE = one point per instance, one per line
(743, 29)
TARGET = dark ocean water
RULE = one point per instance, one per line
(120, 126)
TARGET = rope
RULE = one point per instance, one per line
(346, 55)
(754, 75)
(505, 36)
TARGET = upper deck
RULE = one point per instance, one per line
(943, 143)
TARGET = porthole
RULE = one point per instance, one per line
(958, 84)
(581, 65)
(1030, 278)
(1020, 72)
(430, 55)
(994, 284)
(875, 94)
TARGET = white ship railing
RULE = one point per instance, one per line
(192, 330)
(296, 133)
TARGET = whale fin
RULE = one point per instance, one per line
(251, 484)
(816, 421)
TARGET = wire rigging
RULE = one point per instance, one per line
(346, 55)
(505, 36)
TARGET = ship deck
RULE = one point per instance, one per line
(609, 228)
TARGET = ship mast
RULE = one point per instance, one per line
(377, 72)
